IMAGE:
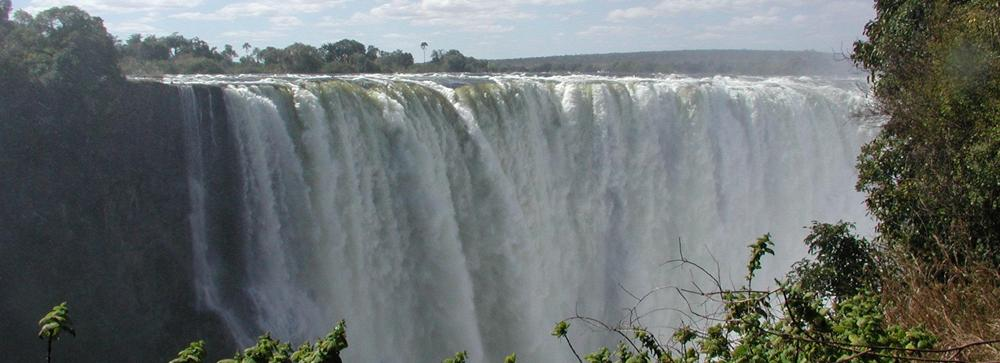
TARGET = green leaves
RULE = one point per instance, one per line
(844, 264)
(270, 350)
(55, 322)
(758, 249)
(194, 353)
(559, 330)
(935, 75)
(458, 358)
(601, 356)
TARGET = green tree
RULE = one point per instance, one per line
(423, 47)
(932, 176)
(395, 61)
(301, 58)
(74, 51)
(229, 52)
(342, 50)
(53, 324)
(844, 264)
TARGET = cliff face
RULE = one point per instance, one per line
(95, 212)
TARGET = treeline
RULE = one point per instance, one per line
(176, 54)
(694, 62)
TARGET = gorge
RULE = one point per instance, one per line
(435, 213)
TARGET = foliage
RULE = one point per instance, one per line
(151, 55)
(844, 263)
(459, 357)
(455, 61)
(64, 48)
(270, 350)
(194, 353)
(5, 8)
(53, 324)
(761, 246)
(559, 330)
(696, 62)
(932, 176)
(789, 323)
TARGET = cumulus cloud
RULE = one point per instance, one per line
(261, 8)
(285, 21)
(605, 30)
(115, 6)
(753, 20)
(674, 7)
(135, 27)
(483, 16)
(252, 35)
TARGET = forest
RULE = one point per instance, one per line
(693, 62)
(926, 287)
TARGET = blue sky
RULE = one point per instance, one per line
(494, 28)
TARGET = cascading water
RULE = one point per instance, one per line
(438, 214)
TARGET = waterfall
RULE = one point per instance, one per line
(438, 214)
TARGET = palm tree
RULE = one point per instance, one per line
(246, 48)
(54, 323)
(423, 47)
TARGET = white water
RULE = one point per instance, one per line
(437, 219)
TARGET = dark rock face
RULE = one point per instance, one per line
(94, 212)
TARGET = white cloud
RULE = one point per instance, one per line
(134, 27)
(631, 13)
(284, 21)
(252, 35)
(604, 30)
(261, 8)
(114, 6)
(674, 7)
(754, 20)
(481, 16)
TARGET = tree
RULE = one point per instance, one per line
(301, 58)
(423, 47)
(844, 264)
(246, 48)
(5, 8)
(395, 60)
(53, 324)
(932, 176)
(75, 51)
(229, 52)
(342, 50)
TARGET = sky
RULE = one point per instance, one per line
(492, 29)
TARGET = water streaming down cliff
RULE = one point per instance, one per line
(440, 214)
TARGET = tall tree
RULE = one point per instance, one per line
(933, 174)
(423, 47)
(229, 52)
